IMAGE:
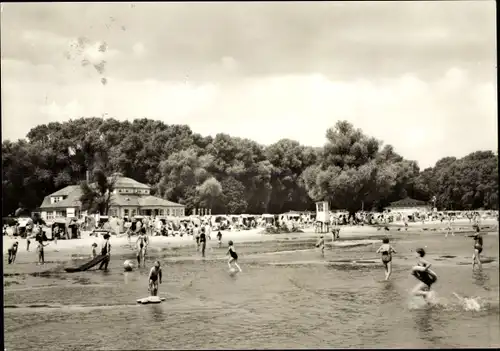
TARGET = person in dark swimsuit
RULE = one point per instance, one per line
(142, 245)
(424, 274)
(106, 250)
(233, 256)
(219, 238)
(40, 251)
(155, 276)
(321, 245)
(386, 250)
(203, 241)
(13, 252)
(478, 248)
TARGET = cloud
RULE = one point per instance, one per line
(341, 40)
(423, 120)
(419, 75)
(139, 49)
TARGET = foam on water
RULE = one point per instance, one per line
(469, 303)
(433, 301)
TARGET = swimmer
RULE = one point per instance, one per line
(386, 250)
(141, 245)
(321, 245)
(154, 278)
(478, 248)
(219, 238)
(423, 273)
(233, 256)
(13, 252)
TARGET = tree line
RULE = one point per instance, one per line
(352, 171)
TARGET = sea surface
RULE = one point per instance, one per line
(288, 296)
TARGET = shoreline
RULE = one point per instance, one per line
(75, 249)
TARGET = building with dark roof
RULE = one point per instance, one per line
(129, 198)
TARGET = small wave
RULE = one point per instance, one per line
(468, 304)
(326, 263)
(354, 243)
(21, 307)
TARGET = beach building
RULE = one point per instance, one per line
(129, 198)
(409, 206)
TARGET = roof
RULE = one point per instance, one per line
(408, 202)
(141, 201)
(65, 191)
(156, 201)
(124, 182)
(125, 200)
(73, 194)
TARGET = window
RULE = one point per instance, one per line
(134, 212)
(60, 214)
(125, 212)
(113, 212)
(50, 215)
(162, 211)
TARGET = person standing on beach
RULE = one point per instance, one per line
(40, 251)
(13, 252)
(449, 228)
(196, 235)
(219, 238)
(94, 250)
(106, 250)
(321, 245)
(203, 241)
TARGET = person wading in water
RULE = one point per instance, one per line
(142, 245)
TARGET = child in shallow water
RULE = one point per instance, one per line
(423, 273)
(233, 256)
(154, 278)
(386, 250)
(94, 250)
(321, 245)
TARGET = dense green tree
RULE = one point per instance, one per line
(236, 175)
(97, 196)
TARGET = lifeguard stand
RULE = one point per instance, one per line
(322, 216)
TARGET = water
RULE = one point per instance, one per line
(288, 296)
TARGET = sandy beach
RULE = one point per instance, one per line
(82, 247)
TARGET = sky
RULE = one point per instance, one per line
(420, 76)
